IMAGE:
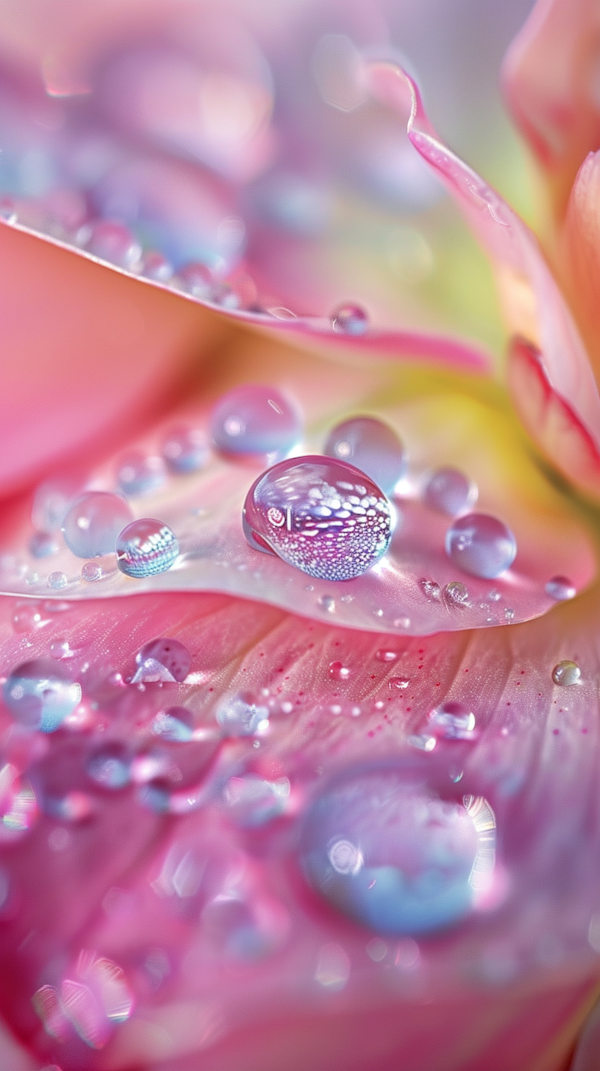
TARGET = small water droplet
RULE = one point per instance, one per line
(58, 580)
(139, 473)
(386, 655)
(146, 547)
(456, 594)
(338, 672)
(110, 766)
(453, 721)
(398, 684)
(255, 421)
(402, 622)
(91, 571)
(42, 545)
(196, 279)
(166, 655)
(566, 673)
(113, 242)
(422, 742)
(60, 649)
(494, 596)
(350, 320)
(319, 515)
(174, 724)
(371, 446)
(27, 617)
(157, 267)
(8, 211)
(561, 589)
(327, 602)
(481, 545)
(509, 614)
(41, 695)
(92, 524)
(242, 716)
(449, 491)
(184, 449)
(431, 590)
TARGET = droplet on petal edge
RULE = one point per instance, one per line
(561, 589)
(481, 545)
(146, 547)
(324, 517)
(371, 446)
(255, 421)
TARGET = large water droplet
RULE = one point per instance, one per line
(41, 694)
(139, 473)
(242, 716)
(174, 724)
(350, 320)
(385, 850)
(370, 445)
(170, 656)
(110, 766)
(450, 491)
(184, 449)
(93, 522)
(453, 721)
(566, 673)
(255, 420)
(111, 241)
(481, 545)
(323, 517)
(146, 547)
(561, 589)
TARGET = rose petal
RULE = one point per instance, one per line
(578, 258)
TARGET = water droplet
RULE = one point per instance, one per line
(431, 590)
(139, 473)
(453, 721)
(196, 279)
(494, 596)
(174, 725)
(60, 649)
(338, 672)
(561, 589)
(41, 695)
(566, 673)
(509, 614)
(91, 571)
(371, 446)
(157, 267)
(456, 594)
(92, 524)
(398, 684)
(8, 211)
(27, 617)
(113, 242)
(58, 580)
(350, 320)
(184, 449)
(327, 602)
(422, 742)
(449, 491)
(242, 716)
(110, 766)
(385, 655)
(481, 545)
(42, 545)
(391, 854)
(321, 516)
(257, 421)
(146, 547)
(166, 655)
(253, 802)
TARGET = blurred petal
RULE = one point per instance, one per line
(551, 78)
(578, 254)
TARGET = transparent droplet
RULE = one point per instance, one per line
(242, 716)
(561, 589)
(8, 211)
(174, 725)
(257, 421)
(169, 655)
(394, 856)
(338, 671)
(113, 242)
(41, 694)
(252, 801)
(453, 721)
(456, 594)
(139, 473)
(92, 524)
(60, 649)
(146, 547)
(431, 590)
(449, 491)
(384, 654)
(481, 545)
(110, 766)
(350, 320)
(566, 673)
(58, 580)
(398, 684)
(42, 545)
(319, 515)
(184, 449)
(91, 571)
(197, 280)
(157, 267)
(370, 445)
(327, 602)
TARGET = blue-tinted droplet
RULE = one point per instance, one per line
(561, 588)
(139, 473)
(255, 420)
(184, 449)
(196, 279)
(93, 523)
(110, 766)
(481, 545)
(370, 445)
(450, 491)
(42, 545)
(174, 725)
(157, 267)
(350, 320)
(242, 716)
(113, 242)
(170, 655)
(322, 516)
(383, 849)
(41, 695)
(452, 721)
(146, 547)
(58, 580)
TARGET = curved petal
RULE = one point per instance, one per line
(532, 301)
(551, 84)
(196, 910)
(578, 258)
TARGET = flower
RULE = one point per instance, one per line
(281, 817)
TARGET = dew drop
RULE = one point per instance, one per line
(322, 516)
(91, 571)
(242, 716)
(92, 524)
(58, 580)
(8, 211)
(350, 320)
(41, 695)
(561, 589)
(157, 267)
(449, 491)
(456, 594)
(398, 684)
(139, 473)
(60, 649)
(170, 656)
(371, 446)
(566, 673)
(174, 724)
(255, 421)
(196, 279)
(110, 766)
(327, 602)
(42, 545)
(395, 857)
(113, 242)
(385, 655)
(252, 801)
(146, 547)
(481, 545)
(184, 449)
(431, 590)
(338, 672)
(453, 721)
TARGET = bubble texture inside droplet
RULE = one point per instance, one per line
(449, 491)
(255, 420)
(324, 517)
(372, 446)
(481, 545)
(146, 547)
(93, 523)
(41, 695)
